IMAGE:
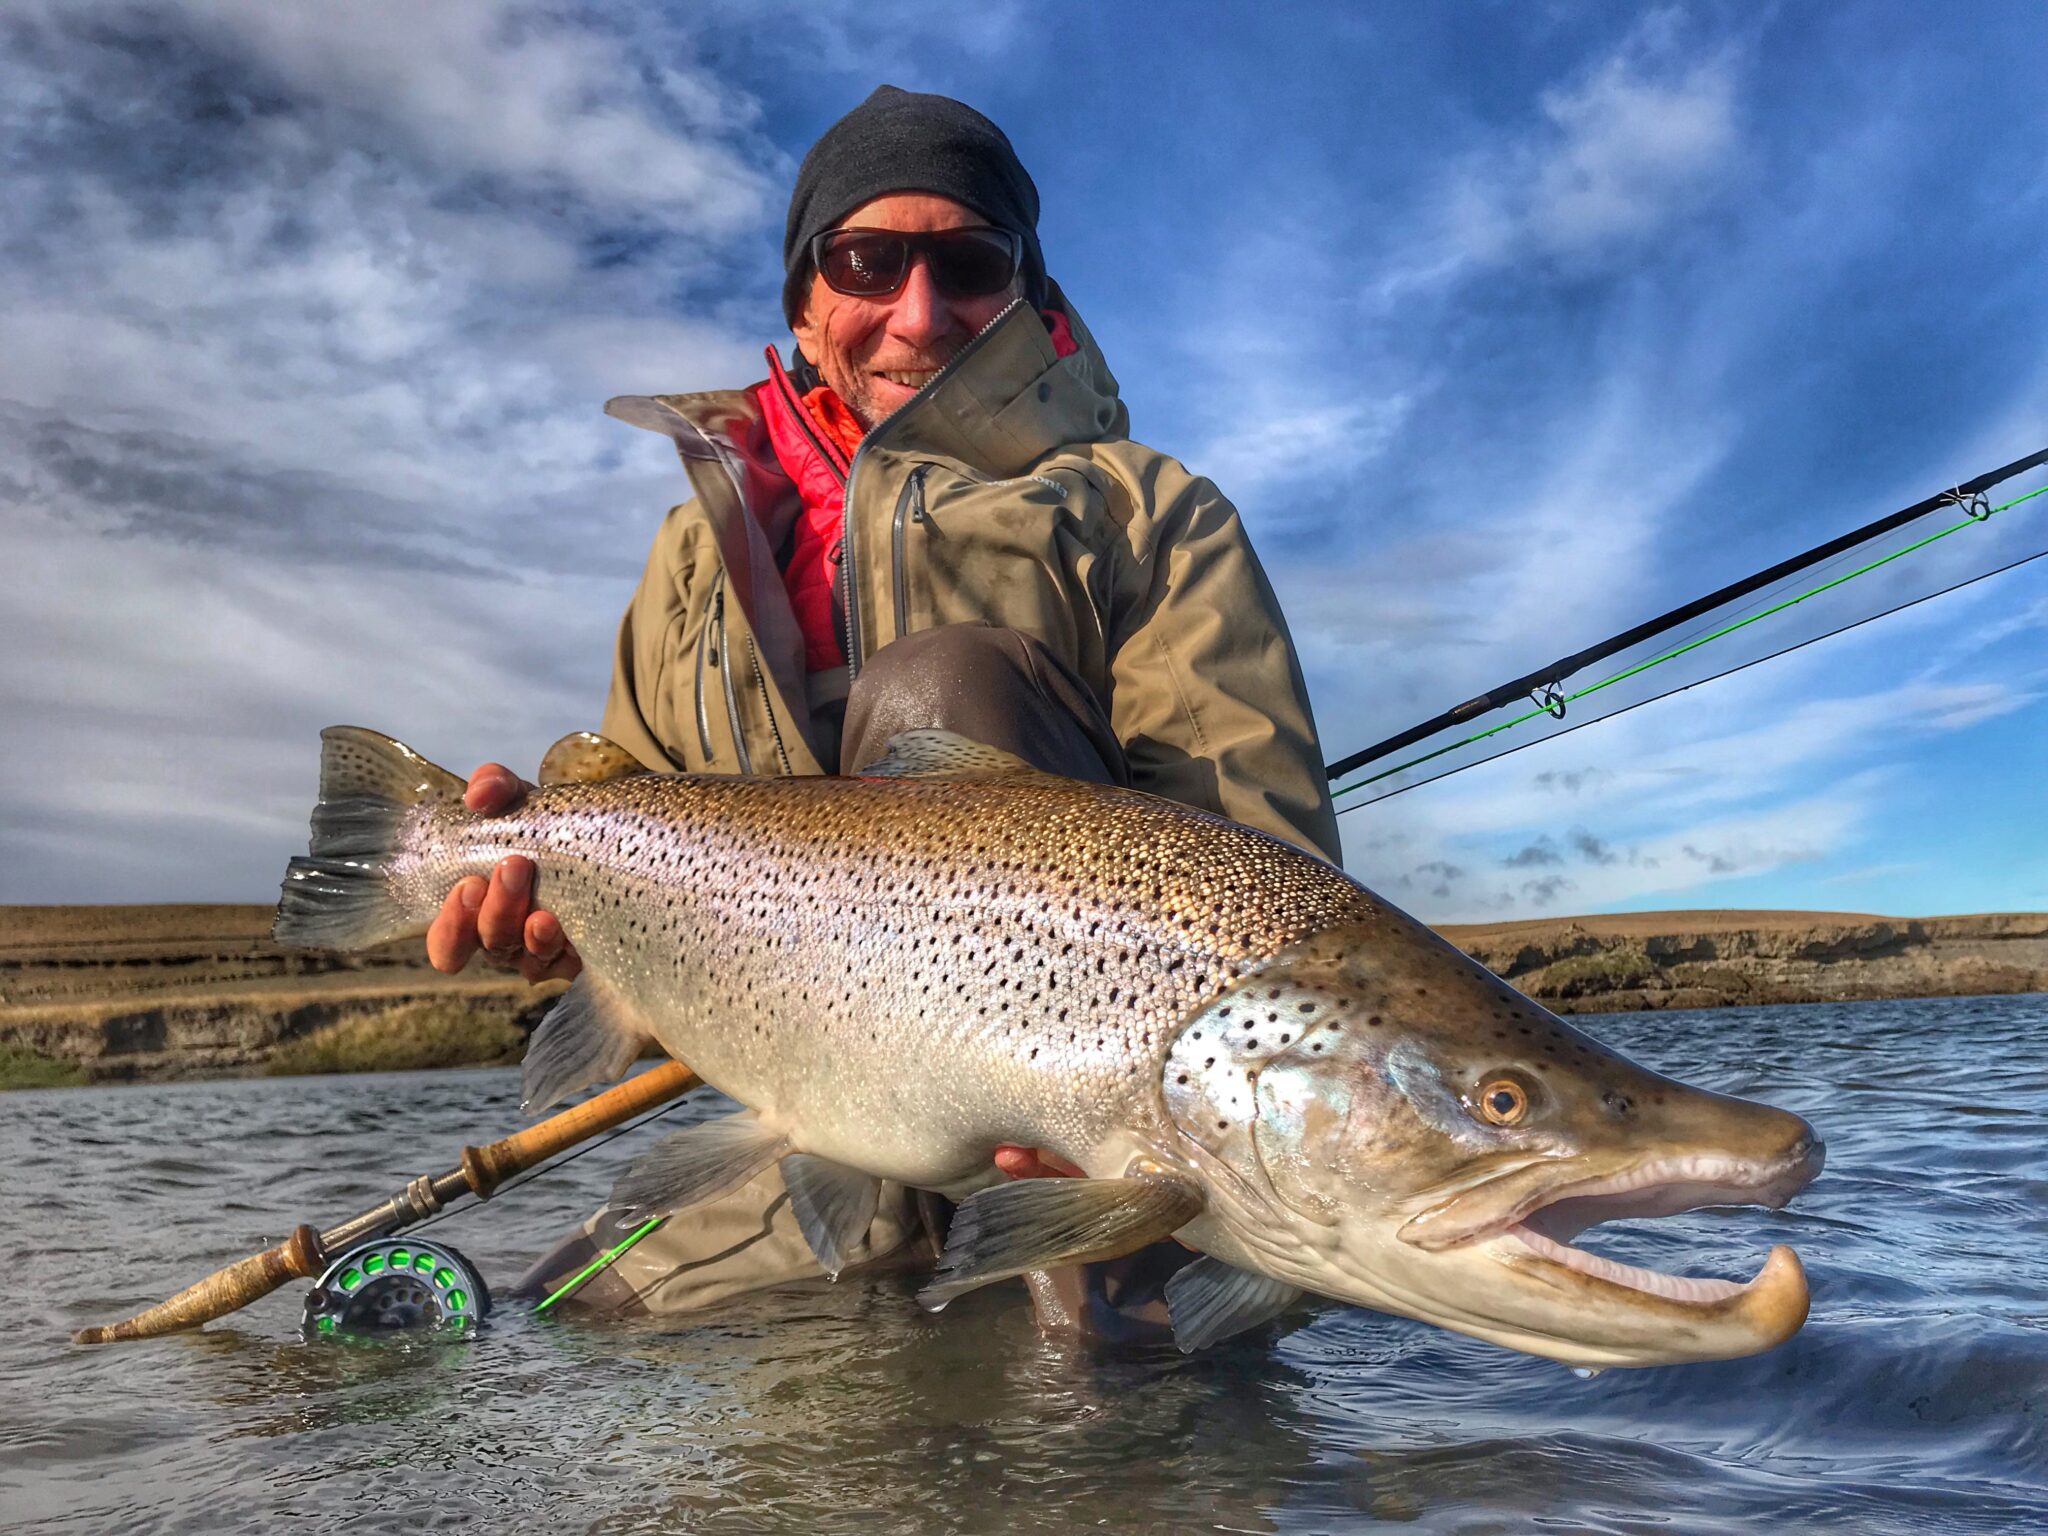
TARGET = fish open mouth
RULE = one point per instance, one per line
(1545, 1223)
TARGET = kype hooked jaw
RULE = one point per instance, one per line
(1623, 1314)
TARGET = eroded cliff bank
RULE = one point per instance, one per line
(154, 993)
(1727, 959)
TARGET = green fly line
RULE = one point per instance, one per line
(598, 1263)
(1553, 705)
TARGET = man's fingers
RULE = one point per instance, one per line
(493, 788)
(452, 936)
(501, 920)
(1033, 1163)
(549, 954)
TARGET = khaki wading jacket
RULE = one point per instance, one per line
(1006, 493)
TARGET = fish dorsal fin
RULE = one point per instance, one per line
(937, 754)
(584, 757)
(357, 763)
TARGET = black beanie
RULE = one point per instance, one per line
(906, 141)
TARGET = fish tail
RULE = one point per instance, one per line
(340, 896)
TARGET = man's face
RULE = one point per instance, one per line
(878, 352)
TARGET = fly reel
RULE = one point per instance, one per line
(397, 1284)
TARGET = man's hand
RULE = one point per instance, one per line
(1034, 1163)
(499, 917)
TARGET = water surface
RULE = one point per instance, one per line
(1915, 1401)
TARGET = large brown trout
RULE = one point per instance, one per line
(1238, 1044)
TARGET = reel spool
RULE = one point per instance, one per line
(395, 1284)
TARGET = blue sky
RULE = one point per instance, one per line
(1506, 326)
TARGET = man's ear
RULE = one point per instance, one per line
(802, 328)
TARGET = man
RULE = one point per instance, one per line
(933, 517)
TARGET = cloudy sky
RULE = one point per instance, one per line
(1507, 326)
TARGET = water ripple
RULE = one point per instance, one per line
(1915, 1401)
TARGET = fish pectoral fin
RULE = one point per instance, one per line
(834, 1207)
(1209, 1300)
(1044, 1223)
(584, 757)
(591, 1035)
(937, 754)
(697, 1164)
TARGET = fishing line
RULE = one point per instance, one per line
(598, 1263)
(1543, 683)
(1360, 805)
(1553, 703)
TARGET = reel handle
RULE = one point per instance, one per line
(298, 1257)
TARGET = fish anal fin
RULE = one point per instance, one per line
(584, 757)
(1209, 1301)
(697, 1164)
(1044, 1223)
(937, 754)
(834, 1206)
(591, 1035)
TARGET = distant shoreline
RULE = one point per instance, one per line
(153, 993)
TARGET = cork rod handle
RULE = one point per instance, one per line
(488, 1166)
(298, 1257)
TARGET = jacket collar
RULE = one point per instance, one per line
(1001, 406)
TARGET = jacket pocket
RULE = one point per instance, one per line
(1029, 554)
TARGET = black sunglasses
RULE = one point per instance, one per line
(964, 263)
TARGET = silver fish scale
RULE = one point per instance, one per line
(904, 972)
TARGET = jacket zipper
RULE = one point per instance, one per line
(846, 572)
(732, 703)
(768, 703)
(708, 648)
(911, 500)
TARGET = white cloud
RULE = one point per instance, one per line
(1267, 450)
(307, 344)
(1633, 146)
(477, 87)
(1630, 147)
(1663, 800)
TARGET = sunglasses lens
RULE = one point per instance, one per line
(965, 263)
(972, 263)
(863, 262)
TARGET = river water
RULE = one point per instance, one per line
(1915, 1401)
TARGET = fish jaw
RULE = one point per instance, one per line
(1500, 1264)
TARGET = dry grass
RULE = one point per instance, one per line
(436, 1034)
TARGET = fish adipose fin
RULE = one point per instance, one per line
(584, 757)
(834, 1205)
(936, 754)
(337, 897)
(592, 1035)
(1209, 1301)
(1044, 1223)
(696, 1165)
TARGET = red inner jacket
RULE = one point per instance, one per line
(815, 437)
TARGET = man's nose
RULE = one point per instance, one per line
(920, 313)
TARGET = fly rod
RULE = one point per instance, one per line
(303, 1255)
(1541, 684)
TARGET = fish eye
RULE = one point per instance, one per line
(1503, 1101)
